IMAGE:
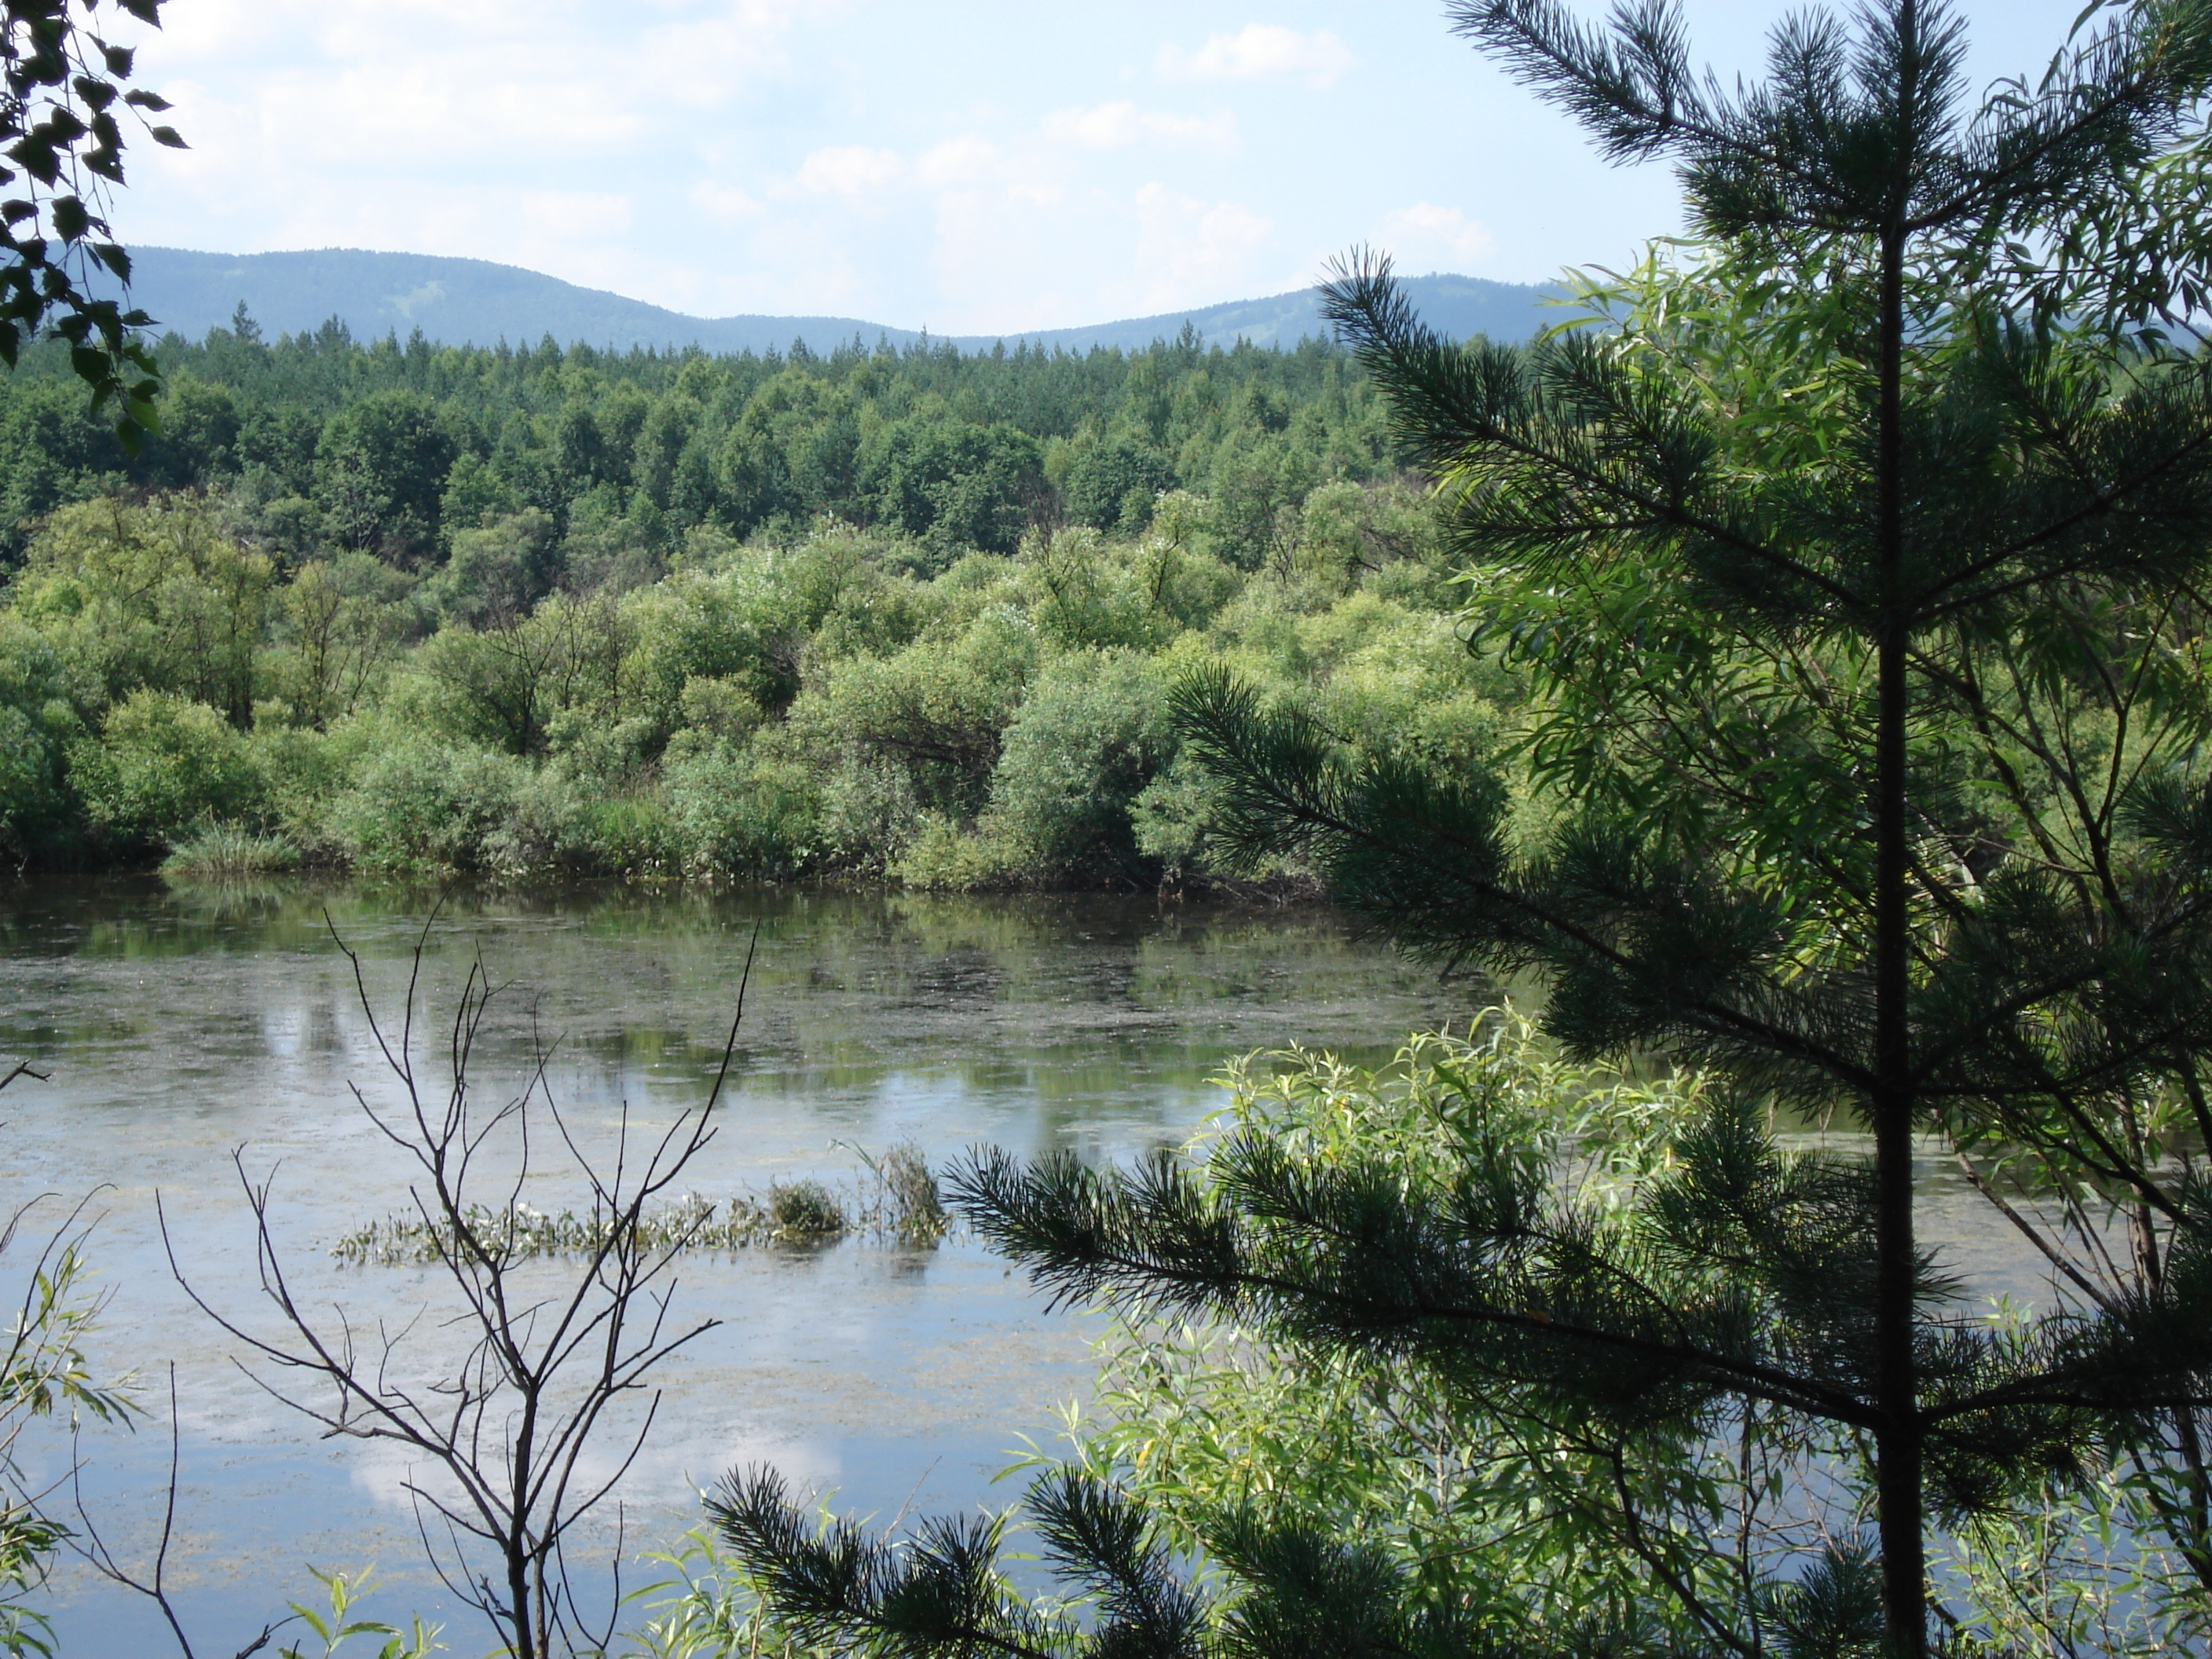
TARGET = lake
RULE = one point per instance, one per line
(181, 1025)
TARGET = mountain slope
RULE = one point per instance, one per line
(475, 301)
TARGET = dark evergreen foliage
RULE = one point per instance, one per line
(393, 447)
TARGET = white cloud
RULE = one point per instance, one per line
(847, 170)
(296, 106)
(1260, 51)
(961, 161)
(1425, 236)
(725, 201)
(1186, 247)
(1120, 124)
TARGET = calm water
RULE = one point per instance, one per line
(182, 1026)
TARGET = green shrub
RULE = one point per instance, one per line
(1115, 484)
(1483, 1507)
(36, 727)
(423, 804)
(498, 572)
(1088, 596)
(152, 596)
(1171, 818)
(869, 813)
(544, 828)
(742, 811)
(935, 710)
(1092, 733)
(162, 767)
(944, 858)
(560, 824)
(629, 836)
(304, 771)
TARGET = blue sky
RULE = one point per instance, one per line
(968, 165)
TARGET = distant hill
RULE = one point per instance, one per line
(475, 301)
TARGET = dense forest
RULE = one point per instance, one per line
(907, 613)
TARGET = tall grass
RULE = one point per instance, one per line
(226, 849)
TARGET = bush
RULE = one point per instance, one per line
(1114, 484)
(559, 822)
(945, 858)
(36, 726)
(1087, 596)
(162, 767)
(1091, 735)
(422, 805)
(150, 596)
(743, 812)
(1483, 1505)
(955, 484)
(627, 835)
(935, 711)
(498, 572)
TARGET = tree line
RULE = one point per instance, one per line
(908, 614)
(329, 444)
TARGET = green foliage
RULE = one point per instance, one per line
(343, 622)
(954, 483)
(1484, 1508)
(148, 596)
(804, 1210)
(1343, 1428)
(61, 127)
(37, 724)
(381, 473)
(742, 812)
(899, 1205)
(164, 766)
(1089, 737)
(335, 1625)
(1114, 484)
(225, 849)
(380, 562)
(496, 573)
(419, 804)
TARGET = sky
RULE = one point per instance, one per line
(968, 165)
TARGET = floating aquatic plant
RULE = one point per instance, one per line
(898, 1204)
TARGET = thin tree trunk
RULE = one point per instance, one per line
(518, 1596)
(1898, 1440)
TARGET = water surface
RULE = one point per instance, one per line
(183, 1027)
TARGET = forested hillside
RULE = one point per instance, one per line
(881, 613)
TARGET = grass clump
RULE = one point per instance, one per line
(804, 1210)
(906, 1204)
(228, 849)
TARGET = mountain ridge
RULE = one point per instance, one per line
(457, 302)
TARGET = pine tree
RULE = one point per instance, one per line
(1861, 571)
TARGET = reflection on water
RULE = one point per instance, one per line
(180, 1024)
